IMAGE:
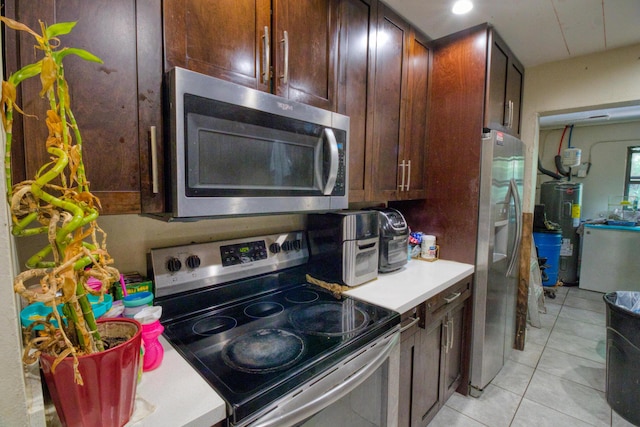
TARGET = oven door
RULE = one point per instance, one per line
(361, 387)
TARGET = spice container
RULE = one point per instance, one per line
(428, 247)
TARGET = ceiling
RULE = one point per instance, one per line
(542, 31)
(537, 31)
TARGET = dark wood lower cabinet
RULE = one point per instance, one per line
(434, 354)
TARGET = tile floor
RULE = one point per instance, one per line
(558, 380)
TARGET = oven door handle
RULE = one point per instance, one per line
(316, 397)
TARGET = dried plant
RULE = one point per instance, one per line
(58, 203)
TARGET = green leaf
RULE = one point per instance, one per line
(26, 72)
(59, 29)
(84, 54)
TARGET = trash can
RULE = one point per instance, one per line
(549, 243)
(623, 354)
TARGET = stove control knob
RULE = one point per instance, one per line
(274, 248)
(174, 264)
(286, 246)
(193, 261)
(297, 244)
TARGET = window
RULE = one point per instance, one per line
(632, 180)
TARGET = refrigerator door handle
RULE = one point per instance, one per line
(513, 189)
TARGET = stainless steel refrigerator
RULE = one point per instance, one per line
(496, 274)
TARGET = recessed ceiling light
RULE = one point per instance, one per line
(461, 7)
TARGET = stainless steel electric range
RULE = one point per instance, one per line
(277, 349)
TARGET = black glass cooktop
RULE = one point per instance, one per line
(254, 351)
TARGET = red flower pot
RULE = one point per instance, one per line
(110, 378)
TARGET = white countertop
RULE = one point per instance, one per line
(178, 396)
(417, 281)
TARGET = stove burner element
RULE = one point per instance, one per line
(329, 319)
(214, 325)
(263, 309)
(301, 296)
(263, 350)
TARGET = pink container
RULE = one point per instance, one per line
(153, 350)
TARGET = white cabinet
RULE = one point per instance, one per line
(609, 258)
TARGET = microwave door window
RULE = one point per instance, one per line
(234, 158)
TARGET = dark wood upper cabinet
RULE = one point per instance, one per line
(357, 29)
(115, 103)
(286, 47)
(504, 88)
(389, 121)
(415, 140)
(220, 38)
(306, 51)
(400, 98)
(383, 75)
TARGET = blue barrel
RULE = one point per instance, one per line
(548, 244)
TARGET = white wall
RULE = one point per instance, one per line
(605, 148)
(13, 408)
(601, 79)
(14, 390)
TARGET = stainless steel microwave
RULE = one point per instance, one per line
(239, 151)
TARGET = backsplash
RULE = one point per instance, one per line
(129, 237)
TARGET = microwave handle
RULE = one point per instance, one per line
(330, 137)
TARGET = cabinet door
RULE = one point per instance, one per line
(414, 146)
(515, 78)
(108, 99)
(305, 46)
(420, 367)
(220, 38)
(453, 370)
(506, 76)
(388, 104)
(495, 109)
(354, 98)
(427, 392)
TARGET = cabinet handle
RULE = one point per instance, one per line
(266, 56)
(408, 175)
(511, 105)
(154, 160)
(402, 165)
(450, 330)
(506, 119)
(446, 336)
(285, 42)
(510, 114)
(410, 324)
(451, 298)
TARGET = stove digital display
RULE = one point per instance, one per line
(242, 253)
